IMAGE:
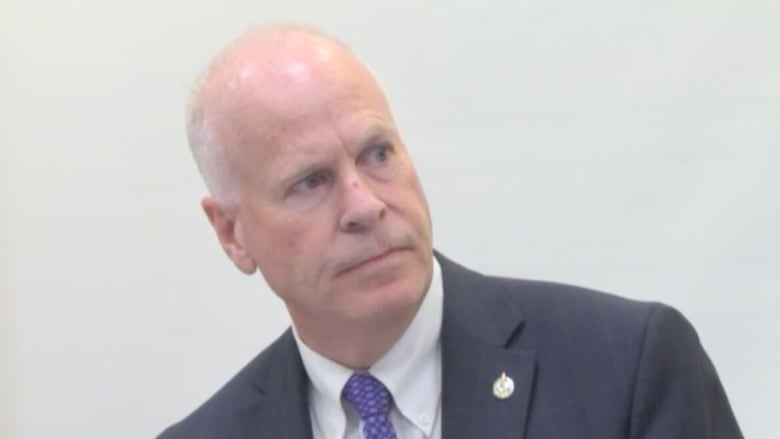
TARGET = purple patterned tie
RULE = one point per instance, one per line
(372, 401)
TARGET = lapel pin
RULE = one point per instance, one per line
(503, 386)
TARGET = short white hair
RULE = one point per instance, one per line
(210, 155)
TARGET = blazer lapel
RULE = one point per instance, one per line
(280, 408)
(477, 334)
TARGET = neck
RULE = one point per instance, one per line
(355, 345)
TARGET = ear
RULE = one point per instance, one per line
(228, 230)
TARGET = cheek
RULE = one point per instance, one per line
(295, 246)
(418, 204)
(274, 244)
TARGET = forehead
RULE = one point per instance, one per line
(275, 77)
(310, 111)
(300, 95)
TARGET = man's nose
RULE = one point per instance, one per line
(362, 207)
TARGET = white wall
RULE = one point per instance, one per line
(626, 146)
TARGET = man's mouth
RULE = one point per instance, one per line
(371, 260)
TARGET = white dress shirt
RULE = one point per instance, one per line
(411, 371)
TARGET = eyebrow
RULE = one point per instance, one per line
(377, 133)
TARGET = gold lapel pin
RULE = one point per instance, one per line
(503, 386)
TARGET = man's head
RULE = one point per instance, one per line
(311, 183)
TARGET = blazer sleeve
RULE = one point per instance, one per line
(677, 393)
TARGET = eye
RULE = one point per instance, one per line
(378, 154)
(312, 182)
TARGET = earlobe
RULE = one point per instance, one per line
(228, 230)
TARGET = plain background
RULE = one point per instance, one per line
(622, 145)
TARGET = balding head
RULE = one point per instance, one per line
(264, 72)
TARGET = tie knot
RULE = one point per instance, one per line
(367, 394)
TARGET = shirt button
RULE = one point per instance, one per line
(423, 419)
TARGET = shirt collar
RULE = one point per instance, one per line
(411, 370)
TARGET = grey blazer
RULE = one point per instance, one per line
(584, 364)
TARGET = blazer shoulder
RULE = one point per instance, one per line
(586, 313)
(547, 309)
(217, 417)
(543, 296)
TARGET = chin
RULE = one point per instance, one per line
(392, 288)
(399, 298)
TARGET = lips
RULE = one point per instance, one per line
(365, 262)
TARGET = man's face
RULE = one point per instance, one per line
(331, 210)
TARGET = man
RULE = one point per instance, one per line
(311, 184)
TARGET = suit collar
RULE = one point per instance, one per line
(478, 333)
(472, 304)
(280, 406)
